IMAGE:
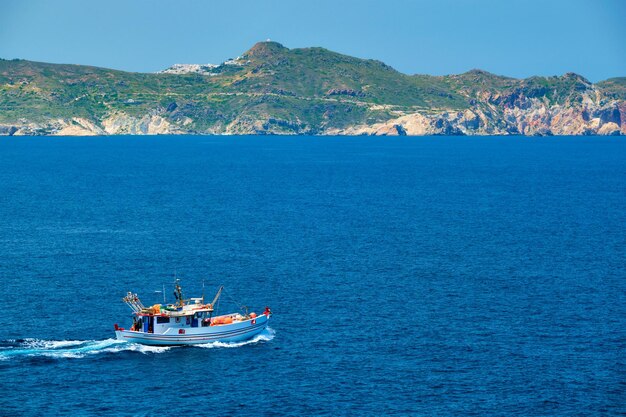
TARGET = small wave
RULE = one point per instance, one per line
(69, 348)
(82, 348)
(265, 336)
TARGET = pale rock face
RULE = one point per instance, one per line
(26, 130)
(116, 124)
(532, 117)
(78, 127)
(415, 124)
(156, 125)
(470, 121)
(388, 130)
(609, 128)
(147, 125)
(594, 124)
(568, 122)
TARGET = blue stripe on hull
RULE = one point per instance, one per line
(235, 335)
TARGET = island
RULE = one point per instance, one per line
(271, 89)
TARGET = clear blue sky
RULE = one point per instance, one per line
(511, 37)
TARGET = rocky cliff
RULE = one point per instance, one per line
(274, 90)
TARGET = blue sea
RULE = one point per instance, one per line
(407, 276)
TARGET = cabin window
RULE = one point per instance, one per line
(162, 320)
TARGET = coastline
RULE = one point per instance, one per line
(271, 89)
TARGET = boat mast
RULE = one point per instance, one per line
(178, 293)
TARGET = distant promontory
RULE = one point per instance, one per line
(271, 89)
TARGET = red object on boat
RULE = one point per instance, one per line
(181, 331)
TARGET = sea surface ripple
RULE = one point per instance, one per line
(408, 276)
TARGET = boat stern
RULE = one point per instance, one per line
(118, 332)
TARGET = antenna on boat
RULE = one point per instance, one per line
(164, 302)
(202, 290)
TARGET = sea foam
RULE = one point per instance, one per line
(81, 348)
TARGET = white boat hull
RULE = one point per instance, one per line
(234, 332)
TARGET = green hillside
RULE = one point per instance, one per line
(614, 87)
(281, 90)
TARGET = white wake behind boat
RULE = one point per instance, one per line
(188, 322)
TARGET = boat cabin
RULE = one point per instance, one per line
(151, 323)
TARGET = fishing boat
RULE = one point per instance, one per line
(188, 322)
